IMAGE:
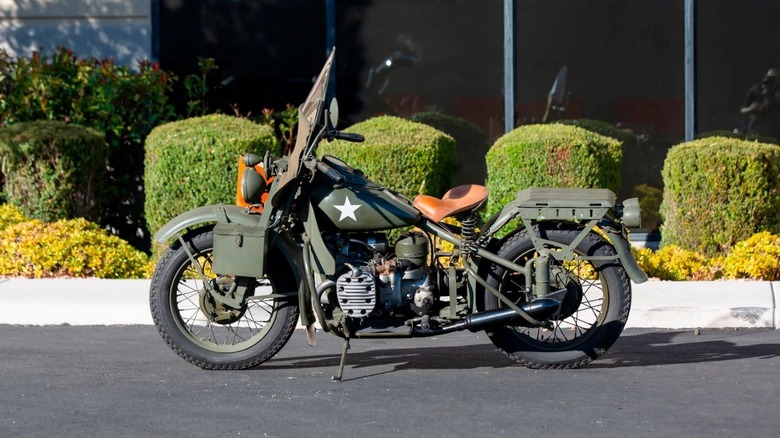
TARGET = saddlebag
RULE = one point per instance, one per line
(239, 250)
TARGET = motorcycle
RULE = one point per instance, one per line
(308, 238)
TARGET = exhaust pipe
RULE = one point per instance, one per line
(540, 309)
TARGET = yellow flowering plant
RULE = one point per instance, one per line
(68, 248)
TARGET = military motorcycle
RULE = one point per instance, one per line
(548, 277)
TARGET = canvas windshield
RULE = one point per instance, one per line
(309, 113)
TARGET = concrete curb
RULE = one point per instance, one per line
(705, 304)
(656, 304)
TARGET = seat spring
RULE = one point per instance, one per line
(468, 229)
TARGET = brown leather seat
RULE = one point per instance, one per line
(456, 200)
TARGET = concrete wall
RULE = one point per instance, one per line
(118, 29)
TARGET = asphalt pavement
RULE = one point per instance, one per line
(76, 381)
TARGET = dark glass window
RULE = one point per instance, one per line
(267, 51)
(625, 66)
(737, 42)
(403, 57)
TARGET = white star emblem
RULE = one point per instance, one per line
(347, 210)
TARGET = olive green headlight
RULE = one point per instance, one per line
(632, 216)
(252, 186)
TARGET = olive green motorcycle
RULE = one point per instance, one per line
(548, 277)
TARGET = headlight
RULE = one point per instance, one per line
(252, 183)
(252, 186)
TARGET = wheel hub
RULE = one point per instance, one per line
(561, 278)
(214, 310)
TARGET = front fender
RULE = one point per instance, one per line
(205, 215)
(283, 243)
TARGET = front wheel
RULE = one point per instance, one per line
(204, 331)
(593, 312)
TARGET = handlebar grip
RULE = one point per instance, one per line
(348, 136)
(331, 173)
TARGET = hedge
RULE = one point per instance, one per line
(193, 162)
(550, 155)
(718, 191)
(471, 143)
(405, 156)
(53, 170)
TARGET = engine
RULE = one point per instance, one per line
(380, 282)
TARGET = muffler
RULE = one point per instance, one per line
(540, 309)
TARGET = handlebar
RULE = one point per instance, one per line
(346, 136)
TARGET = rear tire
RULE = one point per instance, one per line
(588, 327)
(180, 309)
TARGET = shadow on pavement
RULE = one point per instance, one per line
(648, 349)
(675, 347)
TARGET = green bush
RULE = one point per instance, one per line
(193, 162)
(405, 156)
(53, 169)
(718, 191)
(551, 155)
(471, 143)
(71, 248)
(122, 102)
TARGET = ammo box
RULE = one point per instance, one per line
(239, 250)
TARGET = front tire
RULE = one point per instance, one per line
(592, 318)
(217, 338)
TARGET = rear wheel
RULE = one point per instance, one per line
(593, 312)
(206, 332)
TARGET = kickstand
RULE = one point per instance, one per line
(337, 377)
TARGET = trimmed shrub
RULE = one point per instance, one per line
(471, 143)
(718, 191)
(551, 155)
(405, 156)
(71, 248)
(193, 162)
(11, 215)
(53, 169)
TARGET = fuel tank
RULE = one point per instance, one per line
(358, 204)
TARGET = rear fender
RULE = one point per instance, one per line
(569, 207)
